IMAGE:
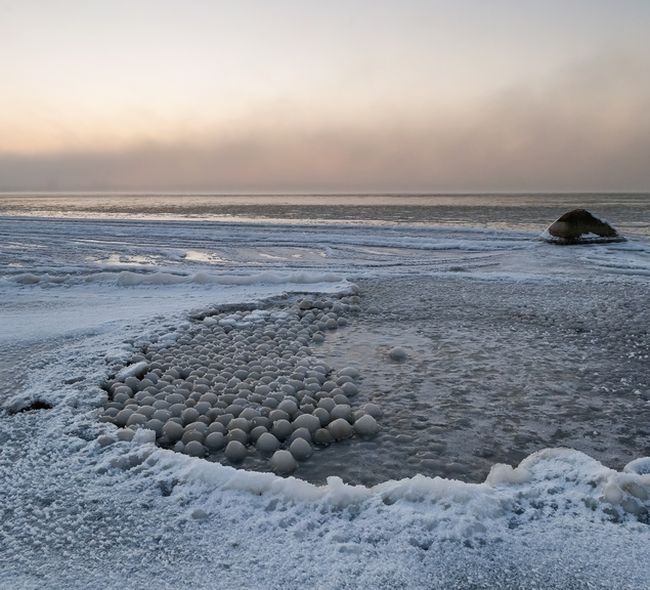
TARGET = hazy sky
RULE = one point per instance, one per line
(354, 95)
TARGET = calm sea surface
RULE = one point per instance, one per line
(630, 213)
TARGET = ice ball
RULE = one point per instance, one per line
(237, 434)
(194, 449)
(288, 406)
(366, 426)
(300, 449)
(267, 443)
(373, 409)
(283, 462)
(300, 433)
(323, 437)
(215, 441)
(341, 411)
(340, 429)
(282, 429)
(173, 431)
(235, 451)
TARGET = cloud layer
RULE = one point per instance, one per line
(585, 128)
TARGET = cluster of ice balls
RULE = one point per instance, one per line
(243, 383)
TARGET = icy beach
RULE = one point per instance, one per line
(508, 379)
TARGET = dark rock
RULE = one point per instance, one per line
(580, 227)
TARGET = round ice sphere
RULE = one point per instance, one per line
(300, 449)
(305, 304)
(311, 423)
(144, 384)
(241, 424)
(349, 372)
(373, 409)
(249, 413)
(331, 324)
(350, 389)
(105, 440)
(132, 382)
(237, 434)
(123, 417)
(397, 354)
(155, 425)
(261, 421)
(327, 403)
(300, 433)
(340, 429)
(275, 415)
(282, 429)
(215, 441)
(217, 427)
(341, 411)
(288, 389)
(267, 443)
(121, 397)
(323, 437)
(110, 413)
(202, 407)
(225, 419)
(200, 426)
(288, 406)
(173, 431)
(211, 398)
(234, 409)
(283, 462)
(189, 415)
(192, 434)
(323, 416)
(235, 451)
(194, 449)
(176, 409)
(162, 415)
(366, 426)
(136, 418)
(125, 434)
(256, 432)
(270, 402)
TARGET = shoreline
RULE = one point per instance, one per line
(76, 508)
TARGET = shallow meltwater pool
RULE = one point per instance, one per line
(438, 376)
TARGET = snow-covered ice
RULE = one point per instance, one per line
(82, 507)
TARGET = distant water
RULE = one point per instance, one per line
(630, 213)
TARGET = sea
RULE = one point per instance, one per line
(629, 212)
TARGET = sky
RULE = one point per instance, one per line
(336, 96)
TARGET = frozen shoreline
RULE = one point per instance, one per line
(128, 515)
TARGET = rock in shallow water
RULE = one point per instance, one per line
(579, 226)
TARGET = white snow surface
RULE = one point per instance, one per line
(78, 296)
